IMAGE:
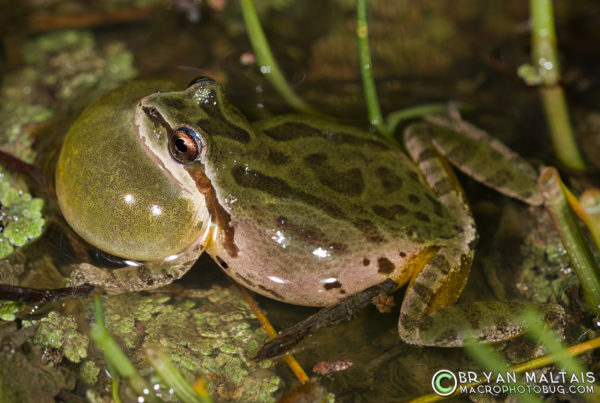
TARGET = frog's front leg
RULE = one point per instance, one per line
(145, 276)
(427, 316)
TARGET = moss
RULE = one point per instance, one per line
(88, 372)
(8, 310)
(20, 217)
(59, 333)
(209, 332)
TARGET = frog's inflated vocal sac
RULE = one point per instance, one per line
(296, 208)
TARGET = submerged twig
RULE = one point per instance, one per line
(328, 316)
(42, 295)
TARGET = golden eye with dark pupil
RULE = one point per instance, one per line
(184, 145)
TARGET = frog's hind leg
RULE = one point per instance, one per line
(427, 316)
(484, 158)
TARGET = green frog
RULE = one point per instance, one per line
(297, 208)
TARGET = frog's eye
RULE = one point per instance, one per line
(185, 145)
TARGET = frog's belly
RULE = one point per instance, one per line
(319, 275)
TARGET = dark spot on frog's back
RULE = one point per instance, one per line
(421, 216)
(349, 183)
(223, 128)
(385, 266)
(173, 103)
(389, 180)
(310, 235)
(279, 188)
(278, 158)
(294, 130)
(366, 262)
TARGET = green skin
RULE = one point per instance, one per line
(296, 208)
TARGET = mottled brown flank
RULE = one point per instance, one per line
(275, 294)
(278, 158)
(366, 262)
(350, 182)
(369, 230)
(279, 188)
(310, 235)
(330, 286)
(389, 180)
(385, 266)
(295, 130)
(221, 262)
(245, 280)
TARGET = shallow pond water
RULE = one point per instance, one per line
(448, 50)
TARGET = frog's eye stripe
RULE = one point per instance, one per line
(185, 145)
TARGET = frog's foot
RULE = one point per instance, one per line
(488, 322)
(133, 278)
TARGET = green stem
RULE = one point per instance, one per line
(413, 112)
(561, 131)
(571, 235)
(117, 358)
(539, 333)
(590, 204)
(366, 70)
(489, 359)
(267, 64)
(546, 63)
(172, 377)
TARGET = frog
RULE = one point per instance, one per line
(301, 209)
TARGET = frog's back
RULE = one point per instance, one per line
(320, 210)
